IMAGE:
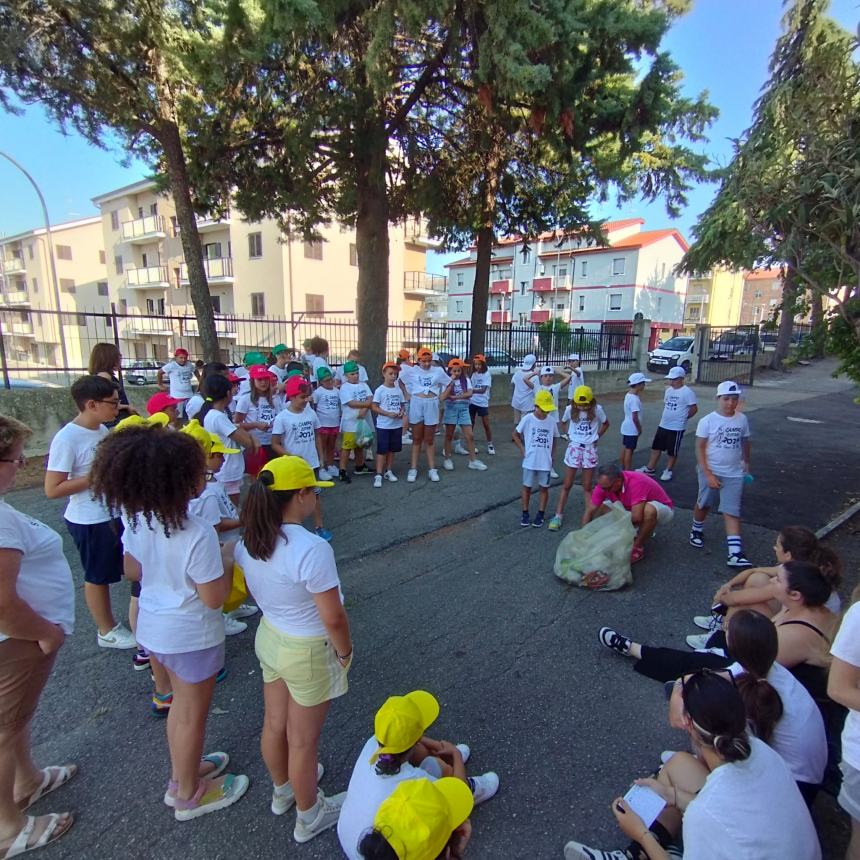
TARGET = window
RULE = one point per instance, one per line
(460, 279)
(216, 304)
(174, 225)
(313, 250)
(67, 285)
(526, 252)
(583, 268)
(144, 259)
(64, 252)
(103, 288)
(123, 308)
(504, 274)
(114, 220)
(353, 255)
(154, 307)
(615, 301)
(659, 304)
(177, 277)
(561, 273)
(117, 264)
(81, 320)
(24, 316)
(153, 209)
(255, 246)
(212, 250)
(314, 304)
(618, 266)
(458, 304)
(523, 287)
(35, 285)
(560, 306)
(258, 301)
(102, 257)
(30, 251)
(582, 302)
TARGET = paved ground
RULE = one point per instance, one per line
(446, 592)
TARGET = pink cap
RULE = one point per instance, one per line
(159, 402)
(297, 385)
(260, 372)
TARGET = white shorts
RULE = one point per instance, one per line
(664, 513)
(535, 476)
(580, 456)
(424, 410)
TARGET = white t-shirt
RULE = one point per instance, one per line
(72, 451)
(577, 378)
(327, 404)
(482, 380)
(458, 388)
(538, 434)
(264, 411)
(298, 433)
(365, 794)
(750, 809)
(234, 464)
(676, 406)
(340, 376)
(846, 647)
(173, 619)
(214, 505)
(353, 391)
(523, 398)
(244, 386)
(799, 736)
(430, 381)
(205, 508)
(180, 376)
(632, 404)
(391, 400)
(280, 372)
(193, 405)
(44, 579)
(581, 431)
(315, 363)
(554, 390)
(284, 586)
(724, 452)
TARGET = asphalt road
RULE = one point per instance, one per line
(446, 592)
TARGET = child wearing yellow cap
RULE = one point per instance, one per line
(303, 641)
(587, 423)
(400, 753)
(535, 437)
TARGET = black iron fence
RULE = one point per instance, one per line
(50, 347)
(728, 352)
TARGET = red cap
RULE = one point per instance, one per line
(297, 385)
(181, 351)
(260, 372)
(231, 377)
(159, 402)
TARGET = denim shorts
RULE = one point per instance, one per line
(457, 412)
(535, 476)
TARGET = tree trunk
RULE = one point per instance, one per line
(818, 326)
(371, 242)
(786, 318)
(168, 137)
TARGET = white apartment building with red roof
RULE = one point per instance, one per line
(579, 282)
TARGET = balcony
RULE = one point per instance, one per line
(504, 286)
(208, 224)
(224, 327)
(15, 297)
(147, 278)
(549, 285)
(141, 230)
(11, 265)
(415, 233)
(134, 326)
(423, 284)
(539, 316)
(498, 317)
(219, 270)
(22, 329)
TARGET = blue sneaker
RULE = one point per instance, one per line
(325, 534)
(538, 520)
(524, 520)
(222, 674)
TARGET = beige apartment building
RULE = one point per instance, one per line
(34, 333)
(714, 298)
(255, 273)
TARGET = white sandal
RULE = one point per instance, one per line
(53, 777)
(50, 834)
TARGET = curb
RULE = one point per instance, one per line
(834, 524)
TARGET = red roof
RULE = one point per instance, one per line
(649, 237)
(469, 261)
(763, 275)
(608, 227)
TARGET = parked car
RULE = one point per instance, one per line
(499, 358)
(737, 342)
(675, 352)
(140, 371)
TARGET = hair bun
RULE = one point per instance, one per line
(266, 478)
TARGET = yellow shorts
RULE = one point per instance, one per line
(347, 441)
(308, 665)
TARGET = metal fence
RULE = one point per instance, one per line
(728, 352)
(51, 347)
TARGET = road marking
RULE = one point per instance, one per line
(804, 420)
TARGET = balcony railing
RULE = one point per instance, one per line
(147, 278)
(549, 284)
(423, 283)
(15, 297)
(415, 231)
(498, 317)
(218, 269)
(144, 229)
(698, 298)
(13, 264)
(539, 316)
(501, 286)
(132, 326)
(224, 327)
(22, 329)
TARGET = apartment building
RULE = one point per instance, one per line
(34, 333)
(253, 271)
(762, 295)
(714, 298)
(571, 279)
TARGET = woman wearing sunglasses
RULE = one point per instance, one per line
(735, 798)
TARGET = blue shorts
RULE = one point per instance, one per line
(389, 441)
(630, 442)
(457, 412)
(100, 548)
(478, 411)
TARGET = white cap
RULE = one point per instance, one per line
(546, 370)
(435, 357)
(676, 373)
(728, 387)
(529, 361)
(636, 378)
(573, 357)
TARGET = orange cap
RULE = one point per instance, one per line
(425, 353)
(455, 362)
(479, 357)
(390, 364)
(404, 354)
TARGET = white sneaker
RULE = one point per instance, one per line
(327, 817)
(484, 786)
(645, 470)
(448, 464)
(390, 476)
(698, 640)
(554, 474)
(331, 472)
(232, 627)
(282, 801)
(478, 466)
(666, 755)
(667, 475)
(460, 448)
(407, 438)
(491, 448)
(433, 475)
(377, 481)
(411, 475)
(246, 610)
(464, 751)
(120, 637)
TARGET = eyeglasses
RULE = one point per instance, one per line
(21, 461)
(111, 402)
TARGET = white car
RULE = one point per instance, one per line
(675, 352)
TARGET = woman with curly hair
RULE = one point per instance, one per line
(152, 475)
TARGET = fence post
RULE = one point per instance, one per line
(703, 336)
(6, 383)
(640, 343)
(510, 345)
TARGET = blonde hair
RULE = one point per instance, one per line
(11, 432)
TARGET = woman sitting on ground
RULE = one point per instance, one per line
(736, 798)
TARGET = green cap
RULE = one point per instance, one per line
(323, 373)
(252, 358)
(277, 350)
(295, 372)
(350, 367)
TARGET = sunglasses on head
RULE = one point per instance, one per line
(692, 681)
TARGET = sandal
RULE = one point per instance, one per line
(637, 554)
(52, 778)
(210, 797)
(51, 833)
(219, 761)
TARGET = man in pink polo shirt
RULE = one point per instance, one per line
(640, 494)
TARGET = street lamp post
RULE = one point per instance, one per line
(51, 259)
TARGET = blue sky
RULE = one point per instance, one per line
(722, 46)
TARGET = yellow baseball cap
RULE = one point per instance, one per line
(544, 401)
(160, 419)
(419, 816)
(218, 446)
(203, 437)
(583, 394)
(402, 720)
(290, 473)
